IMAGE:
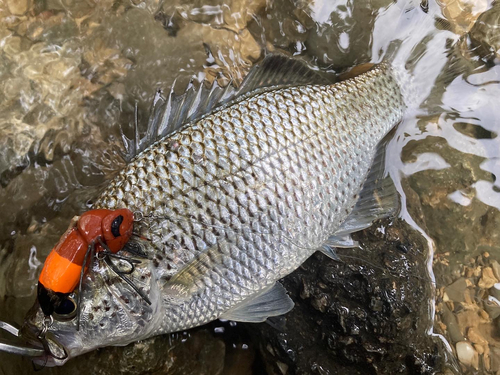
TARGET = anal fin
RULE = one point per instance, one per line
(272, 301)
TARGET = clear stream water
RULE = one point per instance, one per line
(71, 71)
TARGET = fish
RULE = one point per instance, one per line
(230, 192)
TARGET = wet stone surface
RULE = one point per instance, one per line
(485, 35)
(215, 349)
(365, 315)
(469, 310)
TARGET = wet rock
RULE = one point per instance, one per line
(18, 7)
(495, 291)
(76, 8)
(456, 291)
(495, 360)
(231, 14)
(307, 30)
(462, 13)
(196, 352)
(485, 35)
(487, 278)
(452, 328)
(472, 323)
(463, 171)
(355, 316)
(492, 307)
(495, 266)
(476, 337)
(466, 354)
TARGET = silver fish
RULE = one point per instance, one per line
(232, 202)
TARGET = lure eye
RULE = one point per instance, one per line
(66, 310)
(115, 226)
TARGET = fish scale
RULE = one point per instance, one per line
(253, 189)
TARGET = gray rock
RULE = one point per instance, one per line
(451, 324)
(456, 290)
(485, 34)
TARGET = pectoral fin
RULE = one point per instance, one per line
(378, 198)
(272, 301)
(189, 279)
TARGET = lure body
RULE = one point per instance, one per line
(62, 269)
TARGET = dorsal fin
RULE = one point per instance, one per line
(170, 113)
(279, 70)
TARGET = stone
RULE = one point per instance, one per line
(462, 13)
(495, 291)
(495, 266)
(451, 325)
(476, 337)
(456, 290)
(466, 354)
(492, 308)
(488, 279)
(484, 35)
(479, 349)
(18, 7)
(495, 360)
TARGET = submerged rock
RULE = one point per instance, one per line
(358, 316)
(485, 35)
(466, 354)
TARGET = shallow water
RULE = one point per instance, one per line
(72, 71)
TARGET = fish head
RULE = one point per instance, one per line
(111, 313)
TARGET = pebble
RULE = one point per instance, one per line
(484, 33)
(488, 279)
(479, 348)
(495, 359)
(18, 7)
(492, 308)
(455, 291)
(451, 324)
(466, 354)
(495, 266)
(495, 291)
(476, 337)
(483, 314)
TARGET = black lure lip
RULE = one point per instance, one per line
(20, 349)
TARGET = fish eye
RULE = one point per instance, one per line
(115, 226)
(66, 310)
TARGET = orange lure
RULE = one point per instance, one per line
(98, 229)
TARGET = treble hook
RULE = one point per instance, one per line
(108, 254)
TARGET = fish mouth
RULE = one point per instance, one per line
(15, 346)
(49, 351)
(34, 340)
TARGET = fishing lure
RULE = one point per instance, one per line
(101, 232)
